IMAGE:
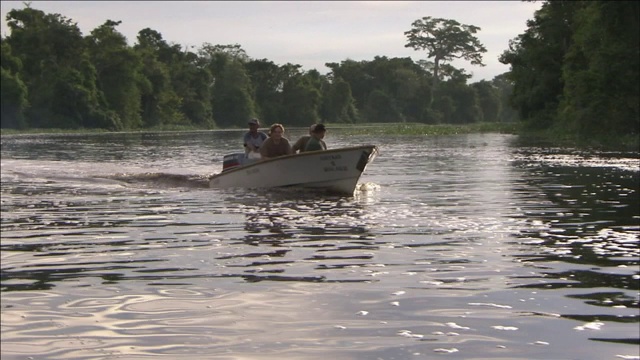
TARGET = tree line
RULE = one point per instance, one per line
(575, 68)
(54, 77)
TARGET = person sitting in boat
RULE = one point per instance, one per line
(253, 139)
(300, 145)
(315, 142)
(302, 141)
(276, 145)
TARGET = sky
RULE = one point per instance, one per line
(306, 33)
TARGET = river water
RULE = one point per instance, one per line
(454, 247)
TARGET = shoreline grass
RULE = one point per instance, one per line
(625, 143)
(629, 142)
(425, 129)
(363, 128)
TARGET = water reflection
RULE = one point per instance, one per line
(291, 232)
(583, 231)
(304, 212)
(465, 247)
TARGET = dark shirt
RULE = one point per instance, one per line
(270, 149)
(301, 143)
(315, 144)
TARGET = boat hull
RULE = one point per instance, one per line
(336, 171)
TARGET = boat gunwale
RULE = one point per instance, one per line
(374, 148)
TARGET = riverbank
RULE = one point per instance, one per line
(366, 128)
(625, 143)
(629, 142)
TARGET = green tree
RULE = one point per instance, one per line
(118, 70)
(382, 108)
(411, 87)
(301, 99)
(504, 87)
(401, 79)
(233, 52)
(600, 94)
(536, 60)
(355, 74)
(267, 80)
(13, 91)
(464, 99)
(338, 103)
(488, 99)
(75, 101)
(60, 78)
(191, 81)
(232, 98)
(445, 40)
(232, 93)
(160, 103)
(404, 84)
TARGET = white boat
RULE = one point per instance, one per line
(335, 170)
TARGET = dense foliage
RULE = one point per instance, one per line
(54, 77)
(574, 70)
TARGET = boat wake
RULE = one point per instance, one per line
(367, 187)
(81, 174)
(163, 180)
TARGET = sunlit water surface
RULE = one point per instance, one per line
(453, 247)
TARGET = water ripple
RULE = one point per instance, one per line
(462, 246)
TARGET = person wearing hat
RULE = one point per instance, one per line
(300, 145)
(253, 139)
(315, 142)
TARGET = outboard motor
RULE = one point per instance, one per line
(233, 160)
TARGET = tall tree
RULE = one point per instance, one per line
(338, 104)
(58, 73)
(160, 103)
(267, 80)
(445, 40)
(466, 108)
(232, 95)
(232, 98)
(504, 87)
(191, 81)
(356, 75)
(488, 100)
(536, 59)
(13, 91)
(601, 93)
(382, 108)
(301, 99)
(399, 81)
(118, 70)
